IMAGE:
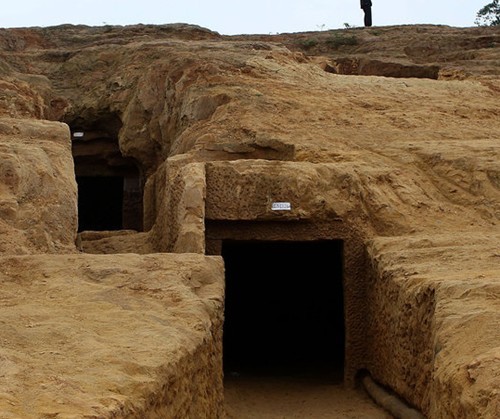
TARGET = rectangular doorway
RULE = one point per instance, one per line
(284, 308)
(100, 202)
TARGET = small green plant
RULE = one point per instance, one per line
(308, 43)
(339, 40)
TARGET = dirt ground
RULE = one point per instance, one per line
(252, 397)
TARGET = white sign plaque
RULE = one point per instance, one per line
(281, 206)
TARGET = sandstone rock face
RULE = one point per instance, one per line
(111, 336)
(384, 138)
(38, 196)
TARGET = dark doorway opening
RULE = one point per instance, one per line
(110, 186)
(100, 202)
(284, 308)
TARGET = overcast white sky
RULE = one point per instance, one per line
(231, 17)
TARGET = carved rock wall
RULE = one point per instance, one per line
(404, 169)
(38, 196)
(111, 336)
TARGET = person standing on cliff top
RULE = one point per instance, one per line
(366, 5)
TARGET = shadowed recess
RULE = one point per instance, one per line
(284, 311)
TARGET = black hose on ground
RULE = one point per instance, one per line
(391, 403)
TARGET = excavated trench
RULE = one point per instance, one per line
(291, 289)
(294, 319)
(295, 292)
(285, 308)
(369, 67)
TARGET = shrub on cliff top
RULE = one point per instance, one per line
(489, 15)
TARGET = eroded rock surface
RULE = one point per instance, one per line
(111, 336)
(386, 138)
(38, 197)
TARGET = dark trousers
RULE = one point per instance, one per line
(368, 15)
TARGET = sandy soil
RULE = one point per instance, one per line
(250, 397)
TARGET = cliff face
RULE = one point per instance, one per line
(385, 138)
